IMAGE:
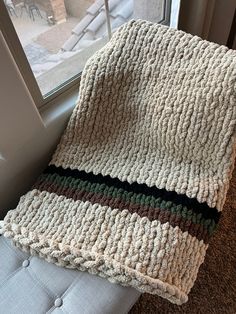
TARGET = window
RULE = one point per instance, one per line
(52, 39)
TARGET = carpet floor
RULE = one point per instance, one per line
(214, 291)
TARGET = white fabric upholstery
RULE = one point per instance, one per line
(30, 285)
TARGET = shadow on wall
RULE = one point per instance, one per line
(27, 139)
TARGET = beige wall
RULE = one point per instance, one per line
(221, 21)
(209, 19)
(27, 137)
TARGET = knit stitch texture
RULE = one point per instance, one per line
(139, 178)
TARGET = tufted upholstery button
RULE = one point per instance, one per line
(26, 263)
(58, 302)
(82, 289)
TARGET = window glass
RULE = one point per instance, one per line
(58, 36)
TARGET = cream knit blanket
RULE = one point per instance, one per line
(138, 180)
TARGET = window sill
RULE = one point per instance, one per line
(60, 108)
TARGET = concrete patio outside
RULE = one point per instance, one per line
(51, 63)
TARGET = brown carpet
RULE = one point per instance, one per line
(215, 288)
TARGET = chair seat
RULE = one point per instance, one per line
(29, 285)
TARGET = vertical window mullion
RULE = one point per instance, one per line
(108, 19)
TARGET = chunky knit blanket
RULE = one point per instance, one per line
(137, 183)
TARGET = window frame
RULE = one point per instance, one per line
(20, 58)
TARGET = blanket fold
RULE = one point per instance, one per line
(135, 188)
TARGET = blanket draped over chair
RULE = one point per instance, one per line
(135, 188)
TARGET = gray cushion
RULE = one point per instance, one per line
(31, 285)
